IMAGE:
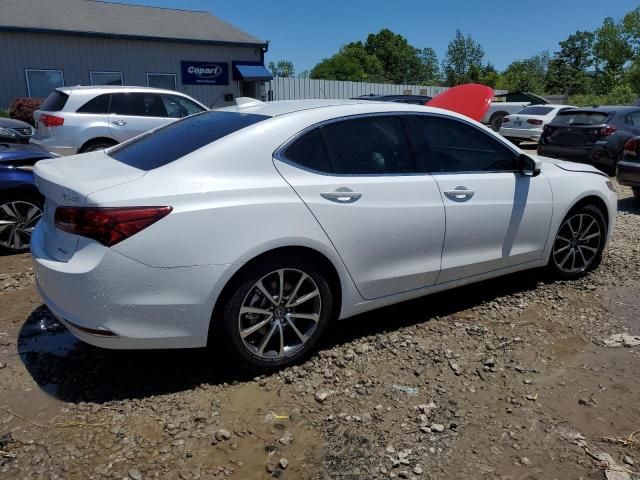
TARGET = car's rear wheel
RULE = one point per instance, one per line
(277, 313)
(579, 242)
(496, 121)
(18, 217)
(98, 145)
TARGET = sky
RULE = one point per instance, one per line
(306, 32)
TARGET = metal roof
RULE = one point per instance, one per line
(107, 19)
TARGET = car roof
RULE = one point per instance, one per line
(610, 109)
(283, 107)
(114, 88)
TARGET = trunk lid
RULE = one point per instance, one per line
(67, 182)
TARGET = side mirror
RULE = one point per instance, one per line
(530, 167)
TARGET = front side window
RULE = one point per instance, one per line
(138, 104)
(447, 145)
(106, 78)
(162, 80)
(40, 83)
(98, 105)
(368, 146)
(178, 107)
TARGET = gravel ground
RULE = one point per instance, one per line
(508, 379)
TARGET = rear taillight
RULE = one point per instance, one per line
(108, 225)
(631, 148)
(607, 130)
(533, 121)
(505, 120)
(51, 120)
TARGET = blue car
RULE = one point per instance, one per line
(20, 202)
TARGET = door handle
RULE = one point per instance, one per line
(460, 194)
(342, 195)
(119, 123)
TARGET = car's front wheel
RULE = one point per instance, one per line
(579, 242)
(277, 313)
(19, 214)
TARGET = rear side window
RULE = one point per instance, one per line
(581, 118)
(175, 140)
(97, 105)
(138, 105)
(448, 145)
(535, 110)
(55, 101)
(309, 152)
(368, 146)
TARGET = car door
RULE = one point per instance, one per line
(385, 220)
(134, 113)
(496, 216)
(633, 120)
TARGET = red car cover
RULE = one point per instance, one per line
(470, 99)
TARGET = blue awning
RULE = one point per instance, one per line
(252, 73)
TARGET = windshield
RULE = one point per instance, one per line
(175, 140)
(577, 118)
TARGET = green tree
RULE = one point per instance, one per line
(612, 51)
(464, 55)
(489, 76)
(401, 62)
(351, 63)
(430, 67)
(526, 75)
(282, 68)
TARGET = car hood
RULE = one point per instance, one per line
(16, 152)
(470, 99)
(569, 166)
(12, 123)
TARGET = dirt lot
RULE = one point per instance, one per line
(509, 379)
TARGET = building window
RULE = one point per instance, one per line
(106, 78)
(40, 83)
(162, 80)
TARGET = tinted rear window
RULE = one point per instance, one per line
(578, 118)
(55, 101)
(535, 110)
(180, 138)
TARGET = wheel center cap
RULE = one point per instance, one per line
(574, 243)
(279, 312)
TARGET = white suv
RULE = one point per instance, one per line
(83, 119)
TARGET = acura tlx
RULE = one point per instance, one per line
(261, 223)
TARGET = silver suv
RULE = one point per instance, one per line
(83, 119)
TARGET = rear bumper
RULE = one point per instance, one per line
(50, 145)
(576, 153)
(628, 174)
(111, 301)
(524, 134)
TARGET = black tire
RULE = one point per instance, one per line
(496, 121)
(18, 202)
(245, 288)
(636, 193)
(96, 146)
(515, 142)
(555, 259)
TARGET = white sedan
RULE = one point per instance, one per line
(257, 225)
(528, 123)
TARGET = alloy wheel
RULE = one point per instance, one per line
(577, 243)
(280, 314)
(18, 218)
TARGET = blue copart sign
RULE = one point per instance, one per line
(205, 73)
